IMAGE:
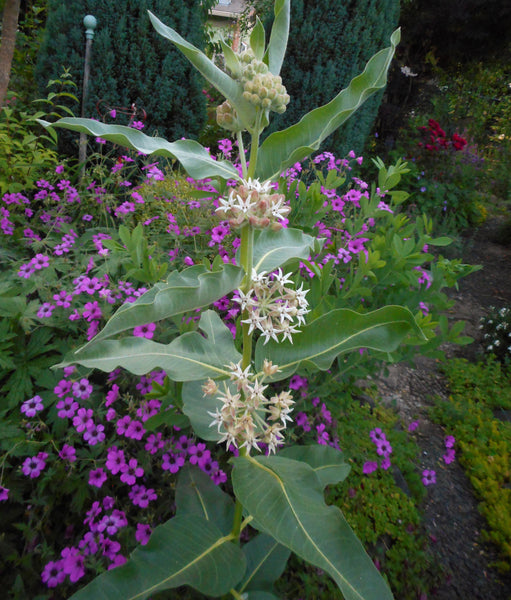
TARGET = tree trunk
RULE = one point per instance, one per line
(9, 28)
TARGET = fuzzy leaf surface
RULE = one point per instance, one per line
(334, 333)
(194, 158)
(266, 561)
(188, 357)
(286, 500)
(327, 462)
(186, 550)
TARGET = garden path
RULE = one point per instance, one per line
(451, 516)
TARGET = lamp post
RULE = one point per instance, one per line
(89, 23)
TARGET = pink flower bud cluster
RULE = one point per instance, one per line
(253, 203)
(242, 419)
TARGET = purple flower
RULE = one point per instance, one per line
(377, 435)
(302, 420)
(83, 420)
(92, 311)
(40, 261)
(413, 426)
(112, 523)
(141, 496)
(172, 462)
(97, 477)
(323, 436)
(428, 477)
(199, 454)
(26, 271)
(450, 440)
(4, 493)
(94, 434)
(383, 448)
(33, 465)
(449, 456)
(115, 460)
(143, 533)
(82, 389)
(135, 430)
(112, 395)
(130, 471)
(32, 406)
(67, 407)
(68, 453)
(154, 443)
(73, 563)
(45, 310)
(369, 467)
(385, 463)
(53, 574)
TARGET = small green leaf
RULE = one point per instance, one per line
(338, 331)
(257, 40)
(186, 550)
(197, 495)
(279, 35)
(327, 462)
(285, 498)
(266, 561)
(194, 158)
(272, 249)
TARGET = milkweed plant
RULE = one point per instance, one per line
(227, 386)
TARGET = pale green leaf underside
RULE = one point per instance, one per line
(189, 357)
(198, 407)
(183, 291)
(197, 495)
(273, 249)
(194, 158)
(327, 462)
(339, 331)
(279, 35)
(186, 550)
(283, 148)
(285, 498)
(266, 561)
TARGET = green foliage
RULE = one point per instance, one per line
(324, 54)
(26, 151)
(130, 63)
(479, 392)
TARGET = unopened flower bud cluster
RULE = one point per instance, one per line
(272, 307)
(261, 87)
(253, 203)
(242, 419)
(227, 118)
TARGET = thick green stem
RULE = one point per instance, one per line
(238, 510)
(246, 256)
(254, 148)
(241, 150)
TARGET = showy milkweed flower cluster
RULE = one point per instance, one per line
(496, 330)
(253, 203)
(242, 419)
(273, 306)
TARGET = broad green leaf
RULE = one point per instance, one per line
(266, 561)
(197, 407)
(273, 249)
(228, 87)
(327, 462)
(285, 498)
(231, 59)
(258, 39)
(189, 357)
(194, 158)
(183, 291)
(279, 35)
(283, 148)
(186, 550)
(338, 331)
(166, 417)
(197, 495)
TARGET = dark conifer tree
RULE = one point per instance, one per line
(330, 42)
(130, 62)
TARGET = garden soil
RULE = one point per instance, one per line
(452, 520)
